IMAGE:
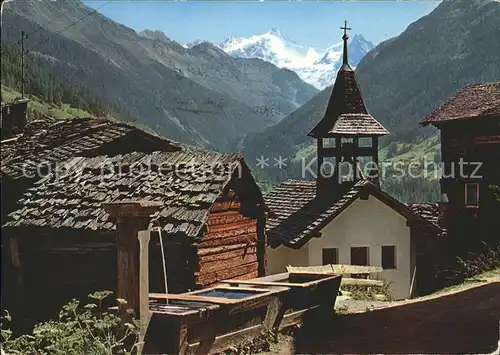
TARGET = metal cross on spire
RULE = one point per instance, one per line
(345, 28)
(345, 37)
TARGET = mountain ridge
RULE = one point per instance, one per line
(316, 66)
(202, 97)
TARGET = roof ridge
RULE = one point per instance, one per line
(471, 101)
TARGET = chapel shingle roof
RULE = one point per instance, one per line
(187, 182)
(346, 112)
(45, 143)
(473, 101)
(298, 214)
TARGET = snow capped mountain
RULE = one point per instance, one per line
(271, 46)
(332, 55)
(315, 66)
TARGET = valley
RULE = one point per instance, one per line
(257, 94)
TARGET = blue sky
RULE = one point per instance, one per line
(308, 22)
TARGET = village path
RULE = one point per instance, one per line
(462, 320)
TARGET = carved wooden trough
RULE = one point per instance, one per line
(308, 292)
(211, 320)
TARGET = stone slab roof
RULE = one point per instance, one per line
(45, 143)
(187, 182)
(473, 101)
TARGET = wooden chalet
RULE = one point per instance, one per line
(470, 148)
(61, 242)
(344, 217)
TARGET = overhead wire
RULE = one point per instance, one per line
(60, 31)
(40, 27)
(72, 24)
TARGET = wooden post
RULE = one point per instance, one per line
(144, 314)
(338, 158)
(132, 220)
(19, 308)
(319, 153)
(262, 245)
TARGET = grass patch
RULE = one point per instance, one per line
(364, 293)
(478, 264)
(38, 107)
(476, 267)
(255, 346)
(342, 310)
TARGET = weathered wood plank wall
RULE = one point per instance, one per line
(228, 247)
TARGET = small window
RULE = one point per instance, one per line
(330, 256)
(472, 195)
(329, 142)
(388, 257)
(359, 256)
(365, 142)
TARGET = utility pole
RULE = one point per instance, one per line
(2, 3)
(23, 37)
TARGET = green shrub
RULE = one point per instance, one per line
(367, 293)
(255, 346)
(86, 330)
(476, 264)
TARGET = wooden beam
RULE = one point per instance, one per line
(361, 282)
(132, 208)
(261, 245)
(231, 288)
(265, 283)
(240, 247)
(335, 269)
(225, 341)
(191, 297)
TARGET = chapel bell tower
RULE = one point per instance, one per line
(347, 136)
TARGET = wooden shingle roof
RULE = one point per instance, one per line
(45, 143)
(473, 101)
(187, 182)
(298, 214)
(346, 113)
(433, 212)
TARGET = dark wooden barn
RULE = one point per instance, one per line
(59, 242)
(470, 147)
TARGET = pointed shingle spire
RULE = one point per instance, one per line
(346, 113)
